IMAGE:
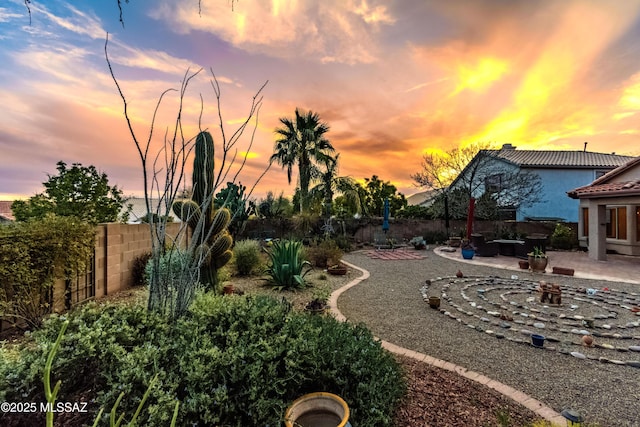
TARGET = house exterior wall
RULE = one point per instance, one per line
(556, 182)
(554, 200)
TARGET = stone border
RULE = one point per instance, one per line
(523, 399)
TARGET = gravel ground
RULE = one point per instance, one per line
(391, 305)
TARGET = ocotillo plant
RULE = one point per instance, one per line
(209, 226)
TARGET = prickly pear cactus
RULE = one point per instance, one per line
(209, 226)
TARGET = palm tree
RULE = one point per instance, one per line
(302, 142)
(330, 184)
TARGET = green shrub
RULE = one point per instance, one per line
(172, 264)
(246, 255)
(138, 269)
(324, 253)
(287, 266)
(343, 242)
(562, 237)
(432, 237)
(33, 254)
(231, 361)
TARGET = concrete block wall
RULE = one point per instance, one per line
(117, 247)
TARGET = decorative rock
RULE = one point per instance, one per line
(525, 332)
(587, 340)
(633, 363)
(484, 319)
(606, 326)
(552, 339)
(618, 362)
(499, 336)
(578, 355)
(538, 325)
(507, 325)
(634, 348)
(489, 331)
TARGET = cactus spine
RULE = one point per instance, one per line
(208, 225)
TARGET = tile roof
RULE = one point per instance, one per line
(605, 186)
(5, 210)
(563, 159)
(628, 188)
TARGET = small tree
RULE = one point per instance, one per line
(79, 191)
(476, 171)
(375, 191)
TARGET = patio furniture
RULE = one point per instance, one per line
(508, 247)
(482, 247)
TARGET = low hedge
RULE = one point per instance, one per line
(233, 361)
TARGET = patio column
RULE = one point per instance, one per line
(597, 231)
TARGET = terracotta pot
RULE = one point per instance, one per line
(524, 265)
(337, 270)
(318, 409)
(227, 289)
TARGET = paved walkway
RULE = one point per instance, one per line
(617, 268)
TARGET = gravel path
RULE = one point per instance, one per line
(391, 305)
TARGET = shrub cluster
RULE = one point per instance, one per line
(231, 361)
(246, 255)
(324, 253)
(33, 254)
(562, 237)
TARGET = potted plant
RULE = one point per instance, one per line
(468, 251)
(538, 260)
(337, 269)
(318, 305)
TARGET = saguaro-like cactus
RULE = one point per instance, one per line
(209, 226)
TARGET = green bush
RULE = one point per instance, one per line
(288, 265)
(172, 264)
(231, 361)
(562, 237)
(324, 253)
(139, 269)
(33, 254)
(246, 255)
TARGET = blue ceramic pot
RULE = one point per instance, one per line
(467, 253)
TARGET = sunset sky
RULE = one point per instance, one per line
(393, 79)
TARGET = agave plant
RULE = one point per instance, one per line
(287, 267)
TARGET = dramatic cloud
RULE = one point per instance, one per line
(393, 79)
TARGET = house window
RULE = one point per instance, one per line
(585, 222)
(617, 223)
(494, 183)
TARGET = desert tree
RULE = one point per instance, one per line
(164, 167)
(476, 171)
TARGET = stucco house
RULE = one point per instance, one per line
(559, 172)
(609, 212)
